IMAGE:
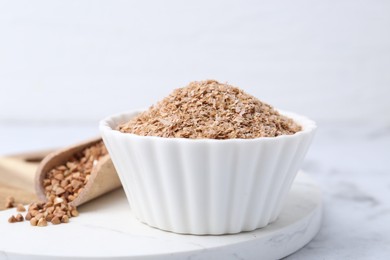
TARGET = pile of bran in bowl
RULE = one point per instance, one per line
(207, 159)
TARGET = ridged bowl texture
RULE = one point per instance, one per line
(206, 186)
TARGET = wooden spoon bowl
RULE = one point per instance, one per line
(103, 176)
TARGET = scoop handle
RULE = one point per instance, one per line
(18, 171)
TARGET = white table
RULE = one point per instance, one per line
(351, 163)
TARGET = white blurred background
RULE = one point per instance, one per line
(64, 65)
(71, 63)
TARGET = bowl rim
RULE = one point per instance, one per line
(308, 126)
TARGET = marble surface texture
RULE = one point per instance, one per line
(111, 218)
(350, 162)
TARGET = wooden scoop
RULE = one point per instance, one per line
(103, 177)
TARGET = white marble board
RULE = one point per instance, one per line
(106, 229)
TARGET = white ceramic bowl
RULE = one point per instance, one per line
(206, 186)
